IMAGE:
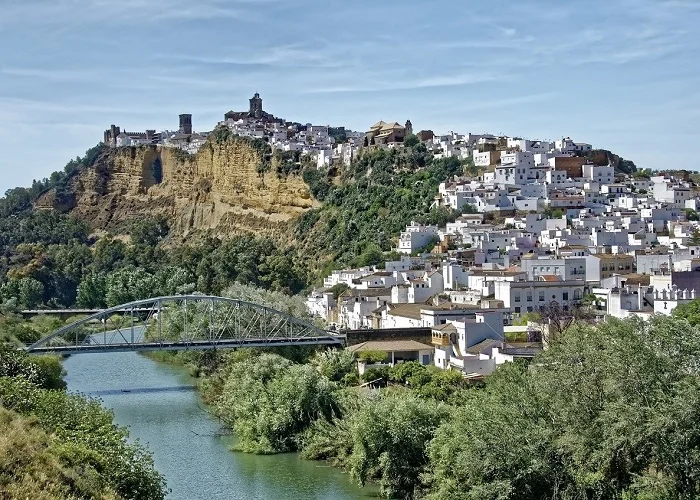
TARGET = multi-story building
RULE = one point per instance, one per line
(415, 237)
(521, 297)
(564, 268)
(604, 265)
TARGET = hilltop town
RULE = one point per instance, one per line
(537, 233)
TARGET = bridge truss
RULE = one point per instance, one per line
(183, 322)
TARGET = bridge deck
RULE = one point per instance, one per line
(196, 345)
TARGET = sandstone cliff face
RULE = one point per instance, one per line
(219, 191)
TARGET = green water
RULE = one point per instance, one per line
(165, 414)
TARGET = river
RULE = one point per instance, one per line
(159, 405)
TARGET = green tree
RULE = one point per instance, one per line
(371, 256)
(411, 140)
(92, 291)
(269, 402)
(389, 440)
(690, 214)
(695, 237)
(129, 284)
(338, 289)
(373, 356)
(690, 311)
(334, 364)
(606, 409)
(516, 461)
(403, 372)
(149, 232)
(30, 292)
(34, 465)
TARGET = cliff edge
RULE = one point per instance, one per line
(232, 185)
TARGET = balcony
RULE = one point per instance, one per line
(441, 339)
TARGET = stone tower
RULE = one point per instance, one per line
(256, 109)
(186, 124)
(111, 134)
(409, 127)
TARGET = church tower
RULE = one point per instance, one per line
(408, 127)
(186, 124)
(256, 109)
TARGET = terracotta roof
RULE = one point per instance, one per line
(611, 255)
(637, 279)
(484, 344)
(378, 125)
(406, 310)
(496, 273)
(370, 292)
(390, 345)
(522, 349)
(447, 328)
(392, 126)
(414, 310)
(550, 277)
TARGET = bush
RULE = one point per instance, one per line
(403, 372)
(269, 402)
(376, 373)
(87, 438)
(371, 357)
(34, 465)
(334, 364)
(389, 437)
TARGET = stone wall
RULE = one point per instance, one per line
(354, 337)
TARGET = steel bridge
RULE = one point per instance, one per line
(183, 322)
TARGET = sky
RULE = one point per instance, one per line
(622, 75)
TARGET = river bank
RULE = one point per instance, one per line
(189, 446)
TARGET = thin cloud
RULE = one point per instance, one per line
(55, 75)
(400, 84)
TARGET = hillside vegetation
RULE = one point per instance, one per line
(53, 258)
(56, 445)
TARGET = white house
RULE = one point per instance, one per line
(416, 236)
(527, 296)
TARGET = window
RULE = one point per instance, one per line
(529, 296)
(517, 310)
(529, 309)
(516, 297)
(541, 296)
(565, 295)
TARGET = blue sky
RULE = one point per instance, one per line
(620, 74)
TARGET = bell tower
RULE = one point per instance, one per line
(186, 124)
(256, 109)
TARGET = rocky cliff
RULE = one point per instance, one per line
(230, 186)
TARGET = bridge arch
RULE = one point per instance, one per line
(183, 322)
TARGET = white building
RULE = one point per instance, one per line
(416, 236)
(527, 296)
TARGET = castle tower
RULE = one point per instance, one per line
(111, 134)
(256, 109)
(409, 127)
(186, 124)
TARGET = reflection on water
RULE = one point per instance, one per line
(163, 412)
